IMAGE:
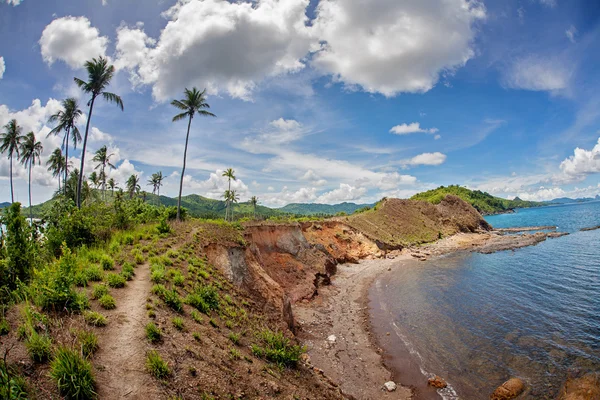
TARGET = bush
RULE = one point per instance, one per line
(107, 302)
(73, 375)
(163, 227)
(172, 299)
(153, 333)
(80, 279)
(94, 318)
(115, 281)
(39, 347)
(127, 271)
(19, 249)
(99, 291)
(277, 348)
(53, 284)
(93, 273)
(178, 323)
(156, 366)
(88, 342)
(107, 263)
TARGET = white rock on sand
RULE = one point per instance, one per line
(390, 386)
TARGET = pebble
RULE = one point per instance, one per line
(331, 339)
(390, 386)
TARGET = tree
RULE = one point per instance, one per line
(67, 122)
(18, 264)
(193, 102)
(133, 185)
(156, 182)
(112, 185)
(95, 179)
(254, 202)
(31, 151)
(57, 164)
(102, 157)
(99, 76)
(231, 197)
(230, 174)
(11, 138)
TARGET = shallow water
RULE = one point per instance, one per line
(479, 319)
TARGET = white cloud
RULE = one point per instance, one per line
(132, 48)
(538, 74)
(437, 137)
(582, 163)
(14, 3)
(394, 46)
(344, 193)
(279, 132)
(542, 194)
(72, 40)
(571, 33)
(302, 195)
(261, 39)
(436, 158)
(2, 67)
(213, 187)
(313, 178)
(549, 3)
(96, 135)
(415, 127)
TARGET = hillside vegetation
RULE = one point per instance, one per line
(322, 209)
(483, 202)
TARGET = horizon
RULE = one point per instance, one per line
(498, 96)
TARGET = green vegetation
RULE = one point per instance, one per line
(153, 333)
(204, 298)
(88, 342)
(39, 347)
(156, 366)
(276, 348)
(94, 318)
(107, 302)
(483, 202)
(12, 385)
(115, 280)
(99, 291)
(73, 375)
(178, 323)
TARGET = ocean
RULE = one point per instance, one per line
(479, 319)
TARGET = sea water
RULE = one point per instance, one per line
(479, 319)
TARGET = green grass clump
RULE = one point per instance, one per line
(197, 317)
(234, 354)
(80, 279)
(234, 337)
(128, 240)
(172, 254)
(94, 318)
(107, 263)
(203, 274)
(275, 347)
(12, 385)
(4, 327)
(156, 366)
(137, 255)
(39, 347)
(81, 301)
(115, 280)
(204, 298)
(127, 271)
(178, 279)
(172, 299)
(153, 332)
(178, 323)
(151, 314)
(99, 291)
(107, 302)
(197, 336)
(73, 375)
(158, 289)
(88, 342)
(93, 273)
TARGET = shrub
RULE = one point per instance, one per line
(107, 263)
(153, 333)
(277, 348)
(93, 273)
(178, 323)
(39, 347)
(115, 280)
(156, 366)
(163, 227)
(80, 279)
(99, 291)
(19, 246)
(127, 271)
(94, 318)
(107, 302)
(53, 284)
(4, 327)
(73, 375)
(88, 342)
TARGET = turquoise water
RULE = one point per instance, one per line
(479, 319)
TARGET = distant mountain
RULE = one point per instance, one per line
(5, 204)
(483, 202)
(567, 200)
(321, 209)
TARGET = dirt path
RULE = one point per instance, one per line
(120, 361)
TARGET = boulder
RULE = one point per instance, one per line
(437, 382)
(389, 386)
(508, 390)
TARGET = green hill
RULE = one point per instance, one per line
(484, 202)
(321, 209)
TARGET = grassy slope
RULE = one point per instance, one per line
(313, 209)
(484, 202)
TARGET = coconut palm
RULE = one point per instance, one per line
(102, 157)
(95, 179)
(99, 76)
(67, 122)
(231, 196)
(156, 182)
(254, 203)
(112, 185)
(31, 151)
(133, 185)
(230, 174)
(193, 102)
(57, 164)
(11, 139)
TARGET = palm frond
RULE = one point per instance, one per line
(113, 98)
(179, 104)
(181, 116)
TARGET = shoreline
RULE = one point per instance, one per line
(336, 326)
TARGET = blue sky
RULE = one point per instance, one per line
(322, 100)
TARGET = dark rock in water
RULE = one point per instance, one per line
(508, 390)
(593, 228)
(585, 388)
(437, 382)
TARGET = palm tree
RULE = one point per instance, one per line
(99, 76)
(133, 185)
(11, 139)
(112, 185)
(95, 179)
(102, 157)
(230, 174)
(254, 203)
(67, 122)
(31, 151)
(57, 164)
(231, 197)
(156, 182)
(194, 102)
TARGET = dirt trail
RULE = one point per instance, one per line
(120, 361)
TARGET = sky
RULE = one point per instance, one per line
(320, 101)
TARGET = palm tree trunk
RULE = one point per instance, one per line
(228, 212)
(66, 159)
(187, 137)
(30, 210)
(87, 128)
(12, 191)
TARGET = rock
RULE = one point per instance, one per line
(389, 386)
(437, 382)
(584, 388)
(508, 390)
(331, 339)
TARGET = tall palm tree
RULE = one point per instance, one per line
(102, 157)
(67, 122)
(156, 182)
(112, 185)
(31, 151)
(99, 76)
(133, 185)
(231, 196)
(254, 203)
(230, 174)
(193, 102)
(95, 179)
(11, 138)
(57, 164)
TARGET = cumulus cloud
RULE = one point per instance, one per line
(538, 74)
(415, 127)
(571, 33)
(279, 132)
(313, 178)
(96, 135)
(582, 163)
(287, 196)
(542, 194)
(213, 187)
(394, 46)
(2, 67)
(72, 40)
(262, 39)
(344, 193)
(14, 3)
(549, 3)
(436, 158)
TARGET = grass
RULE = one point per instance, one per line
(157, 367)
(13, 386)
(93, 273)
(172, 299)
(205, 298)
(197, 317)
(178, 323)
(277, 348)
(107, 302)
(39, 347)
(235, 338)
(94, 318)
(153, 333)
(99, 290)
(127, 271)
(88, 342)
(107, 263)
(178, 278)
(4, 327)
(73, 375)
(115, 281)
(234, 354)
(197, 336)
